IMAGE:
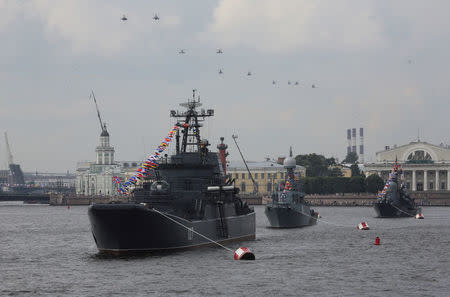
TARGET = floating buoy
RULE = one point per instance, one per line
(243, 253)
(363, 226)
(377, 241)
(419, 216)
(68, 206)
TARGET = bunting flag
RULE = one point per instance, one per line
(151, 162)
(117, 180)
(287, 188)
(396, 170)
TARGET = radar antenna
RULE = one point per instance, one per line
(102, 125)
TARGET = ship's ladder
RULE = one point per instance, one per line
(222, 227)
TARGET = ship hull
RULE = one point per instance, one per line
(132, 228)
(388, 210)
(288, 217)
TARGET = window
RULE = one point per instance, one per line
(281, 175)
(442, 186)
(243, 187)
(269, 187)
(256, 175)
(262, 175)
(269, 175)
(431, 186)
(408, 186)
(236, 175)
(243, 175)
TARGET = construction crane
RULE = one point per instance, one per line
(8, 150)
(102, 125)
(17, 177)
(255, 185)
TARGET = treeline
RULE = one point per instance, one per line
(337, 184)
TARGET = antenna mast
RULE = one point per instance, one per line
(8, 150)
(102, 126)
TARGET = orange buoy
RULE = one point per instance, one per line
(363, 226)
(377, 241)
(419, 216)
(243, 253)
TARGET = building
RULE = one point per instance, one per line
(267, 175)
(426, 166)
(102, 177)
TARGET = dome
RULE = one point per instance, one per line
(289, 162)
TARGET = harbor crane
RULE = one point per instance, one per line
(17, 177)
(102, 125)
(255, 185)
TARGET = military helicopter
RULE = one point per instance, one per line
(220, 71)
(313, 86)
(249, 73)
(273, 82)
(182, 52)
(124, 18)
(219, 51)
(296, 83)
(156, 17)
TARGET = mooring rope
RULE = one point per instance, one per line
(192, 230)
(402, 210)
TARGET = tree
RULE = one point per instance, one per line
(355, 170)
(351, 158)
(374, 183)
(316, 165)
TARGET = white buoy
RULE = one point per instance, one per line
(363, 226)
(419, 216)
(243, 253)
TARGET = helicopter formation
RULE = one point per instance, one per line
(220, 51)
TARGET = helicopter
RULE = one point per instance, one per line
(313, 86)
(289, 82)
(296, 83)
(220, 71)
(124, 18)
(274, 82)
(219, 51)
(182, 52)
(249, 73)
(156, 17)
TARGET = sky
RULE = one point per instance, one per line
(382, 65)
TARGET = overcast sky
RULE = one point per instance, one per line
(53, 53)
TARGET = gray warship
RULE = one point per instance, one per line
(288, 208)
(187, 202)
(394, 201)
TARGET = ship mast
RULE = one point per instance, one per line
(190, 130)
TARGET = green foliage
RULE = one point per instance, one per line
(316, 165)
(351, 158)
(333, 185)
(374, 183)
(355, 170)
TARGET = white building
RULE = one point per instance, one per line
(99, 178)
(426, 166)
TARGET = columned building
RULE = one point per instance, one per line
(426, 166)
(267, 174)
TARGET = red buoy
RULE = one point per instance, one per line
(68, 206)
(377, 241)
(363, 226)
(243, 253)
(419, 216)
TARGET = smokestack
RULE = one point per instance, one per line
(361, 145)
(349, 140)
(354, 140)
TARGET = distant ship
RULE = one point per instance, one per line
(394, 201)
(187, 203)
(288, 208)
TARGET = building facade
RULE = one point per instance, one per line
(102, 177)
(267, 174)
(426, 166)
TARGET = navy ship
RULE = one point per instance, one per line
(394, 201)
(288, 208)
(187, 202)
